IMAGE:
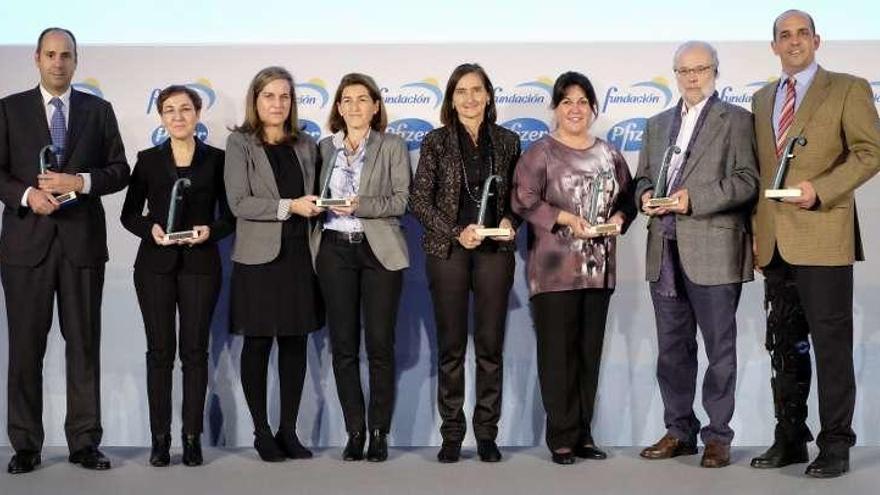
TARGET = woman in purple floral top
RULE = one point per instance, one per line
(565, 184)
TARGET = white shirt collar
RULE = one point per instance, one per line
(696, 108)
(65, 97)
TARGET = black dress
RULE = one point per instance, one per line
(281, 297)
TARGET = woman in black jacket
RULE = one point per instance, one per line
(447, 191)
(177, 276)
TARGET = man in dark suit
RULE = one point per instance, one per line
(806, 245)
(699, 250)
(47, 249)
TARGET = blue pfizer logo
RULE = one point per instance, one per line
(411, 130)
(528, 130)
(627, 135)
(160, 135)
(310, 128)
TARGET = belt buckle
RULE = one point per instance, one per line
(355, 237)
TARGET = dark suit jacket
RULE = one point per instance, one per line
(437, 184)
(93, 146)
(839, 120)
(721, 177)
(204, 203)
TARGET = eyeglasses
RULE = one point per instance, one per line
(700, 70)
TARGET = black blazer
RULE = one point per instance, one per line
(93, 146)
(436, 187)
(204, 203)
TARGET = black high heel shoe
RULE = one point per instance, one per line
(290, 444)
(354, 448)
(267, 447)
(378, 450)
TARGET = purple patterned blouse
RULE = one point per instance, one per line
(594, 183)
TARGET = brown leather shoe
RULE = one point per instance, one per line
(668, 447)
(715, 455)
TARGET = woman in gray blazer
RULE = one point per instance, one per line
(270, 183)
(362, 255)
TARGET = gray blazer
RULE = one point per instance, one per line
(254, 199)
(721, 177)
(383, 194)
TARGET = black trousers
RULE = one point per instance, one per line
(570, 330)
(30, 294)
(161, 297)
(353, 280)
(489, 275)
(824, 294)
(291, 376)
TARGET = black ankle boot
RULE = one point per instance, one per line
(192, 449)
(378, 450)
(354, 448)
(267, 447)
(290, 444)
(160, 456)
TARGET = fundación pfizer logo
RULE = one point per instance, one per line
(418, 93)
(201, 86)
(535, 92)
(411, 130)
(741, 96)
(529, 130)
(312, 93)
(627, 135)
(89, 85)
(654, 93)
(159, 134)
(311, 128)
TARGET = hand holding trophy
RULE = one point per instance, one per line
(323, 200)
(176, 198)
(661, 199)
(482, 230)
(66, 198)
(598, 189)
(776, 190)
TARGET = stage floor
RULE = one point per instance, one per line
(415, 470)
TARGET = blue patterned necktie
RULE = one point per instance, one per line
(58, 130)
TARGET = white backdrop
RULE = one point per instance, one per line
(633, 81)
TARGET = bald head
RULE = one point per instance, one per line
(789, 13)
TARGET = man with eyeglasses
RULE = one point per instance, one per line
(699, 250)
(806, 245)
(47, 249)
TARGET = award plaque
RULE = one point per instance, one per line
(484, 204)
(660, 198)
(177, 197)
(323, 200)
(67, 198)
(777, 191)
(598, 189)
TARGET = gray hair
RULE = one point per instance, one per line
(688, 45)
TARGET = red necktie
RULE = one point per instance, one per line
(786, 116)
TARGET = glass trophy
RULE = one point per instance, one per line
(660, 198)
(67, 198)
(323, 200)
(598, 191)
(176, 198)
(777, 190)
(483, 231)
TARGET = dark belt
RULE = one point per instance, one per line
(344, 237)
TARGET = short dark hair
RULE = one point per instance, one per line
(176, 89)
(448, 115)
(56, 30)
(380, 120)
(569, 79)
(790, 12)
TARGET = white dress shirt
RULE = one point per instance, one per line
(689, 117)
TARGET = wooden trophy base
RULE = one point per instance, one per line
(327, 202)
(493, 232)
(605, 229)
(782, 193)
(661, 202)
(180, 236)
